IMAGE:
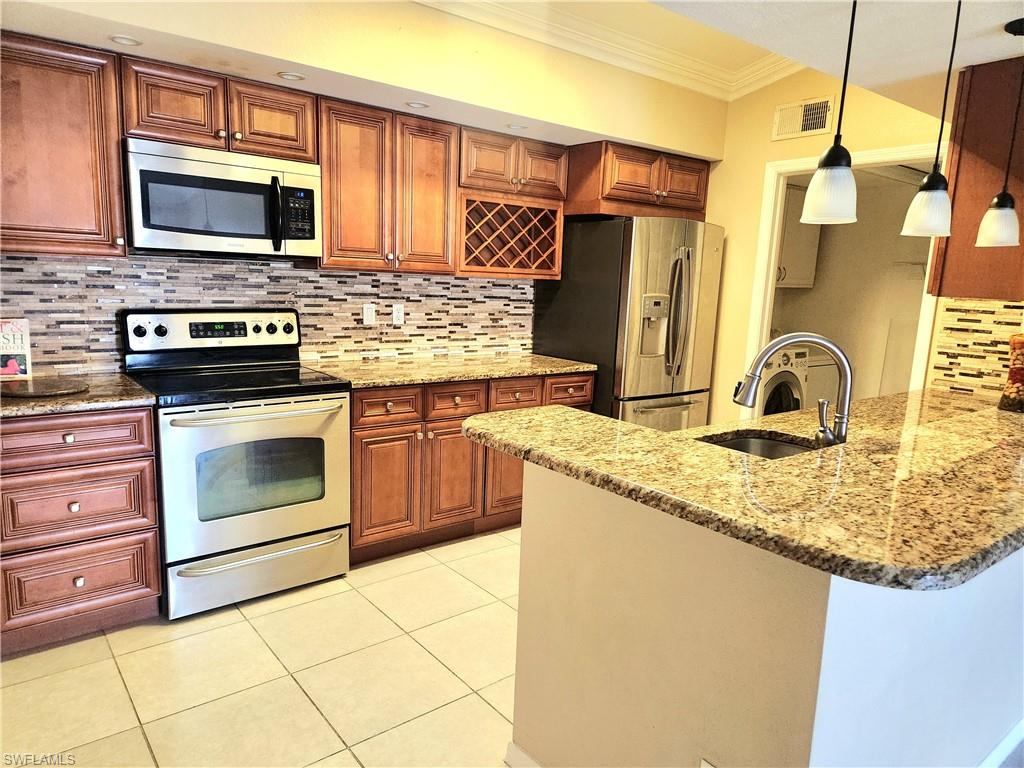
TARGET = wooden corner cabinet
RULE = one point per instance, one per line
(60, 141)
(616, 179)
(986, 98)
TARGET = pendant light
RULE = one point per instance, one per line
(930, 211)
(999, 226)
(832, 194)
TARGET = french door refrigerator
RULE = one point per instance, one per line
(639, 298)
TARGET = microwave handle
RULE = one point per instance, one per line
(276, 213)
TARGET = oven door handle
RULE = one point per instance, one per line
(216, 422)
(212, 569)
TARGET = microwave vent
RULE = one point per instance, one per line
(802, 118)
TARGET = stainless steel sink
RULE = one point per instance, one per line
(768, 445)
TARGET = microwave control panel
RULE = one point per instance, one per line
(299, 221)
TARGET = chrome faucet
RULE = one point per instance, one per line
(746, 390)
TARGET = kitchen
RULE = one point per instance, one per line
(315, 317)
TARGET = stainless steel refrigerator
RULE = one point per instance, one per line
(639, 298)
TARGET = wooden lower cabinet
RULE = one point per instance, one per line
(387, 472)
(453, 475)
(504, 483)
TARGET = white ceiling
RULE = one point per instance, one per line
(636, 35)
(900, 47)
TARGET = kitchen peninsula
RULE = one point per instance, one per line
(863, 607)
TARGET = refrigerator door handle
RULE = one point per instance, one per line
(673, 316)
(682, 308)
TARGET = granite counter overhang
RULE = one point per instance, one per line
(107, 391)
(927, 493)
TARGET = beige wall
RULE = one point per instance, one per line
(865, 297)
(870, 122)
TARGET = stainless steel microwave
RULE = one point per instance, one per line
(191, 199)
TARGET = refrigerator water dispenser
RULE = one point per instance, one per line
(654, 325)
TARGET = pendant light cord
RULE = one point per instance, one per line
(1013, 134)
(846, 76)
(945, 93)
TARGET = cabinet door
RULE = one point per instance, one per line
(454, 475)
(798, 246)
(60, 123)
(684, 182)
(504, 483)
(355, 165)
(488, 161)
(387, 472)
(426, 170)
(543, 168)
(169, 103)
(631, 173)
(276, 122)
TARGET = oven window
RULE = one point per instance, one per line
(251, 477)
(205, 206)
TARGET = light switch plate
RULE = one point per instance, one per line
(397, 314)
(369, 314)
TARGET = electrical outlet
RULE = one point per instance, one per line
(398, 314)
(369, 314)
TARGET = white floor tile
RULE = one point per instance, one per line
(370, 691)
(513, 601)
(173, 676)
(496, 571)
(417, 599)
(160, 630)
(273, 724)
(501, 696)
(473, 545)
(478, 646)
(261, 606)
(57, 658)
(60, 711)
(378, 570)
(123, 750)
(464, 733)
(512, 534)
(315, 632)
(338, 760)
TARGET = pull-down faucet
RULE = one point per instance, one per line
(746, 390)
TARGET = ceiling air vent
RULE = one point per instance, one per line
(802, 118)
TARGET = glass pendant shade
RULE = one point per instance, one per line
(930, 211)
(831, 197)
(1000, 227)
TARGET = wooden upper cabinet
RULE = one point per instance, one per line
(265, 120)
(683, 182)
(426, 173)
(983, 117)
(60, 123)
(500, 163)
(488, 161)
(356, 148)
(631, 173)
(169, 103)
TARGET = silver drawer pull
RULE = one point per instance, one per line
(571, 390)
(194, 571)
(516, 395)
(74, 506)
(79, 582)
(458, 399)
(69, 438)
(254, 417)
(389, 406)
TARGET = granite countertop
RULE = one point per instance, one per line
(106, 390)
(927, 492)
(365, 374)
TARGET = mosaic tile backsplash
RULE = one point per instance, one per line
(71, 302)
(971, 345)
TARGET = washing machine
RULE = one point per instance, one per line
(784, 382)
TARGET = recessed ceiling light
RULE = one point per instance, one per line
(517, 127)
(125, 40)
(417, 104)
(291, 76)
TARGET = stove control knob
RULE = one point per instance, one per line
(139, 331)
(288, 328)
(257, 328)
(160, 330)
(271, 328)
(785, 358)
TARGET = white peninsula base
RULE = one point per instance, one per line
(647, 640)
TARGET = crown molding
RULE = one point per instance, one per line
(569, 32)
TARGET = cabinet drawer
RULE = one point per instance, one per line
(39, 442)
(516, 393)
(457, 398)
(395, 405)
(61, 506)
(65, 581)
(568, 390)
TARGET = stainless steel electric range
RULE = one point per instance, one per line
(254, 453)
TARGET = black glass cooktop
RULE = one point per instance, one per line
(189, 386)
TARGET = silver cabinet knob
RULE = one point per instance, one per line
(389, 406)
(221, 133)
(419, 435)
(389, 257)
(237, 135)
(69, 438)
(74, 506)
(458, 399)
(517, 395)
(571, 390)
(522, 181)
(118, 241)
(79, 581)
(657, 193)
(430, 435)
(400, 257)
